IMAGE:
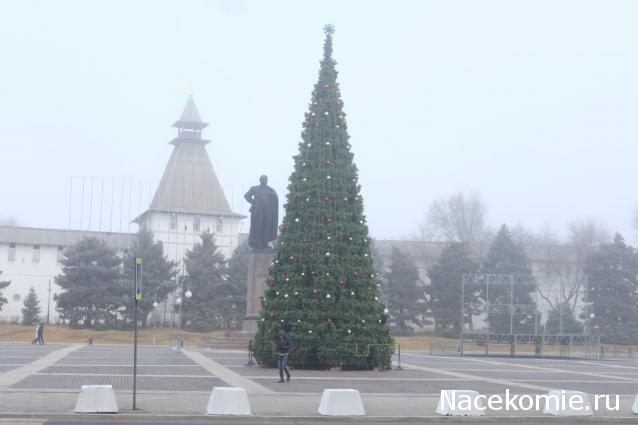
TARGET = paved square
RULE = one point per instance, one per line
(160, 369)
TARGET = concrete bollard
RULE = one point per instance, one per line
(567, 403)
(96, 399)
(228, 401)
(341, 402)
(460, 403)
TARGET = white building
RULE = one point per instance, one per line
(188, 200)
(31, 257)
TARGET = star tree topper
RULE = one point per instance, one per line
(329, 29)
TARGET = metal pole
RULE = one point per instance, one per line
(135, 357)
(137, 296)
(49, 302)
(512, 308)
(462, 316)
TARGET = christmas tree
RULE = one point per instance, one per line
(322, 287)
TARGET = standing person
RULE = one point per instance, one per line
(41, 333)
(37, 334)
(283, 348)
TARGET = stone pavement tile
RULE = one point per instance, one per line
(327, 374)
(13, 376)
(144, 383)
(125, 361)
(128, 370)
(398, 386)
(232, 378)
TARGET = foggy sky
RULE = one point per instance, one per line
(532, 104)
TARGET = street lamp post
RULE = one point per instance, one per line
(179, 301)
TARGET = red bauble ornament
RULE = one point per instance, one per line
(291, 258)
(329, 219)
(369, 288)
(341, 282)
(328, 162)
(313, 273)
(355, 274)
(326, 86)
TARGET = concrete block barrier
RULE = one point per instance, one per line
(96, 399)
(634, 408)
(341, 402)
(568, 403)
(228, 401)
(460, 403)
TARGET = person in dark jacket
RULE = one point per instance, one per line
(283, 348)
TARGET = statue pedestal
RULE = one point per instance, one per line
(258, 264)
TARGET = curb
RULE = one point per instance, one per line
(361, 419)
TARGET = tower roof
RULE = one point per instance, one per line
(190, 118)
(189, 183)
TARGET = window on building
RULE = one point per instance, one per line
(220, 224)
(60, 254)
(196, 224)
(173, 221)
(12, 252)
(16, 297)
(36, 253)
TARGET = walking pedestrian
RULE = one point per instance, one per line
(41, 333)
(283, 349)
(37, 334)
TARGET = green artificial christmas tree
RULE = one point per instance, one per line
(322, 287)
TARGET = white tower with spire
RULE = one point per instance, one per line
(189, 198)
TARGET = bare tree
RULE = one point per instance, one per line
(457, 218)
(563, 266)
(587, 234)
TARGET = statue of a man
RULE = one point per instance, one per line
(264, 214)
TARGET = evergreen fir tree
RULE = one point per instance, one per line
(405, 294)
(206, 269)
(507, 257)
(3, 285)
(31, 309)
(445, 289)
(92, 284)
(158, 273)
(561, 320)
(237, 280)
(613, 292)
(322, 287)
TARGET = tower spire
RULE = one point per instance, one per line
(190, 124)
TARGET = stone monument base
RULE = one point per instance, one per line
(258, 263)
